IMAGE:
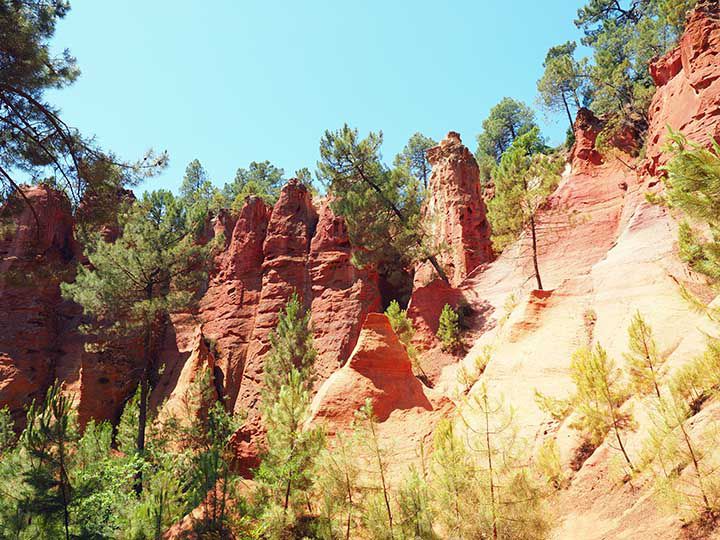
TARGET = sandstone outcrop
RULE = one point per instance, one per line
(380, 371)
(284, 272)
(37, 251)
(688, 94)
(587, 127)
(342, 295)
(455, 214)
(190, 397)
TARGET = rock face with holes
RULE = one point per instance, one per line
(688, 81)
(455, 212)
(37, 251)
(587, 127)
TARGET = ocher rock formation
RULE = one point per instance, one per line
(37, 251)
(454, 214)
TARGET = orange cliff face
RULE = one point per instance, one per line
(688, 94)
(34, 257)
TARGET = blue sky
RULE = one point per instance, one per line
(229, 82)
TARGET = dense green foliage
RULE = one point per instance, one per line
(261, 179)
(132, 284)
(625, 36)
(693, 186)
(381, 206)
(413, 157)
(506, 121)
(449, 329)
(564, 86)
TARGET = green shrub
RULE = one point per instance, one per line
(449, 329)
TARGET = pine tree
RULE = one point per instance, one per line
(507, 497)
(564, 84)
(292, 449)
(378, 518)
(403, 328)
(414, 511)
(381, 206)
(291, 347)
(693, 186)
(674, 449)
(524, 179)
(196, 189)
(47, 440)
(338, 483)
(449, 329)
(507, 121)
(132, 284)
(261, 179)
(414, 158)
(599, 396)
(287, 466)
(644, 361)
(37, 143)
(452, 473)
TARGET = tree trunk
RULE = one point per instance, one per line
(438, 268)
(535, 253)
(567, 110)
(382, 477)
(144, 391)
(490, 467)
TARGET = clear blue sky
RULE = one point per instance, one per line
(229, 82)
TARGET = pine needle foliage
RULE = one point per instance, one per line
(449, 329)
(693, 186)
(645, 363)
(288, 463)
(524, 179)
(505, 492)
(378, 515)
(291, 347)
(131, 285)
(380, 205)
(599, 396)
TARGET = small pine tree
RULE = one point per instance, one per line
(403, 328)
(449, 329)
(414, 511)
(644, 361)
(452, 481)
(685, 464)
(287, 466)
(378, 513)
(338, 483)
(291, 347)
(599, 396)
(524, 179)
(288, 462)
(47, 441)
(507, 497)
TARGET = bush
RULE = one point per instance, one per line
(449, 329)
